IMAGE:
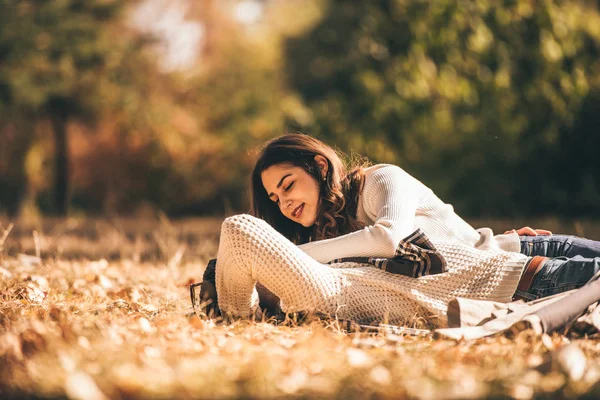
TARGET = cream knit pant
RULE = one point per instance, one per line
(250, 250)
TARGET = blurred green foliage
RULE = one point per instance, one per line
(490, 103)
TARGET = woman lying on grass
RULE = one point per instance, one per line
(374, 243)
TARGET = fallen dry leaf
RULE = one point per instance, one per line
(358, 358)
(572, 360)
(380, 375)
(35, 289)
(145, 325)
(29, 262)
(32, 341)
(10, 347)
(4, 273)
(81, 386)
(196, 322)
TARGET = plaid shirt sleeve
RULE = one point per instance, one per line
(415, 256)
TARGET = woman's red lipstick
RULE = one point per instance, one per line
(298, 211)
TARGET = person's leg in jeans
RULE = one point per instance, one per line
(561, 274)
(559, 246)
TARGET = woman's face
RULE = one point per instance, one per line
(294, 191)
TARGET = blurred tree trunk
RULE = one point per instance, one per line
(15, 139)
(59, 120)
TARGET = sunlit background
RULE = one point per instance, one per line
(137, 107)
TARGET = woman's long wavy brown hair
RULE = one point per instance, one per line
(338, 193)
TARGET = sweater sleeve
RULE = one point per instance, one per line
(504, 241)
(390, 198)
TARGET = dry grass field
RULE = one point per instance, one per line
(95, 309)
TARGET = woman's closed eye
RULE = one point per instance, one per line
(285, 190)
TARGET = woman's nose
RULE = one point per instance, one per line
(286, 205)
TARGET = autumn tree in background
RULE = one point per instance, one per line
(61, 62)
(177, 141)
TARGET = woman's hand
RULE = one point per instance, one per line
(527, 231)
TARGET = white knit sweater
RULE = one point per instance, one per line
(392, 205)
(250, 250)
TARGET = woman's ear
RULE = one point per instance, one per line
(322, 164)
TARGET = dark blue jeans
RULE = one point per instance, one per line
(572, 263)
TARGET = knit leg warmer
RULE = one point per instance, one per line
(250, 250)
